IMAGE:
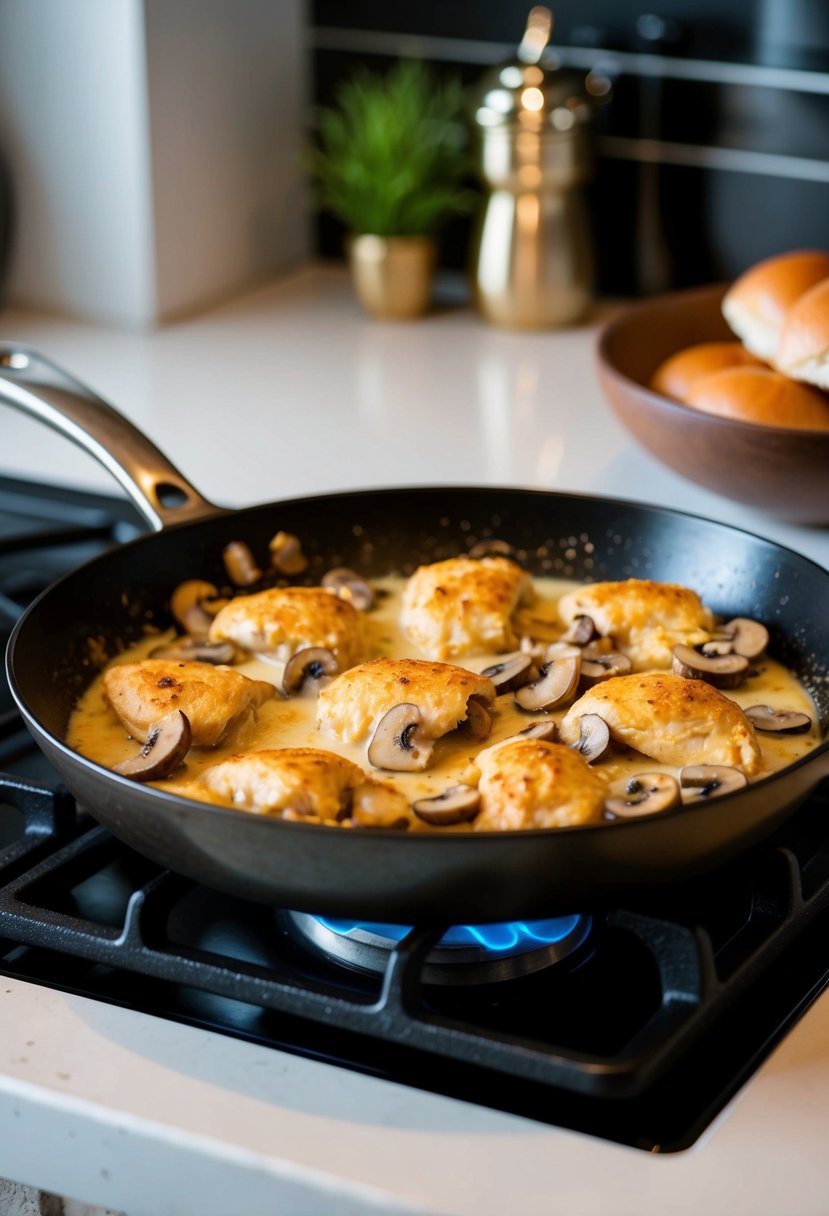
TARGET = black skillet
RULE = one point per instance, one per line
(425, 877)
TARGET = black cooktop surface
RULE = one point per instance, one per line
(651, 1021)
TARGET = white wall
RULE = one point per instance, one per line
(73, 129)
(154, 149)
(226, 84)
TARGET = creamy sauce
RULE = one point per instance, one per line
(95, 732)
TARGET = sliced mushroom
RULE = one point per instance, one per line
(723, 671)
(604, 667)
(240, 564)
(458, 804)
(187, 607)
(193, 650)
(536, 649)
(780, 721)
(645, 794)
(477, 723)
(398, 744)
(720, 643)
(513, 671)
(379, 806)
(562, 650)
(557, 683)
(748, 638)
(309, 670)
(286, 553)
(349, 586)
(213, 604)
(710, 781)
(167, 745)
(545, 729)
(582, 630)
(594, 738)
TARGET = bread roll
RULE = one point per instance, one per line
(755, 394)
(803, 352)
(677, 375)
(758, 300)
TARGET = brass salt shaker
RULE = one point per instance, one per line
(533, 256)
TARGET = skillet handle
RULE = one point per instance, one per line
(35, 385)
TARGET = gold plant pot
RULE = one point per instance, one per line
(392, 275)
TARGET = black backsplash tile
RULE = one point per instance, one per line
(749, 217)
(700, 171)
(709, 27)
(777, 121)
(329, 66)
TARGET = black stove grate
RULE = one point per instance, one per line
(640, 1036)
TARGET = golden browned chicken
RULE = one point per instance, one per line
(353, 703)
(672, 719)
(645, 619)
(461, 606)
(217, 700)
(529, 783)
(283, 620)
(309, 782)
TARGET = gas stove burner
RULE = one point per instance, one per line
(466, 954)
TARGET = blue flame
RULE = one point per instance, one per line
(512, 937)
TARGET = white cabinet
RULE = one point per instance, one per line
(155, 151)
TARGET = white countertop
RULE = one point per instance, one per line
(287, 391)
(291, 390)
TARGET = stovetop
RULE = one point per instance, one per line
(653, 1020)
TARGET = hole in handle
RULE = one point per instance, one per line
(14, 359)
(169, 495)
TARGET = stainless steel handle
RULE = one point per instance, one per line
(35, 385)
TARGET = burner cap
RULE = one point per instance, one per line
(466, 954)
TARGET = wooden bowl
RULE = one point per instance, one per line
(781, 471)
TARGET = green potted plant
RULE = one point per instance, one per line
(389, 163)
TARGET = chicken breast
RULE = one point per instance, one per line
(645, 619)
(309, 782)
(529, 783)
(462, 606)
(283, 620)
(217, 700)
(350, 707)
(670, 719)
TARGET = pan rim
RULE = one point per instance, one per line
(421, 488)
(163, 797)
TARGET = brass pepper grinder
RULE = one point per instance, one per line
(533, 257)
